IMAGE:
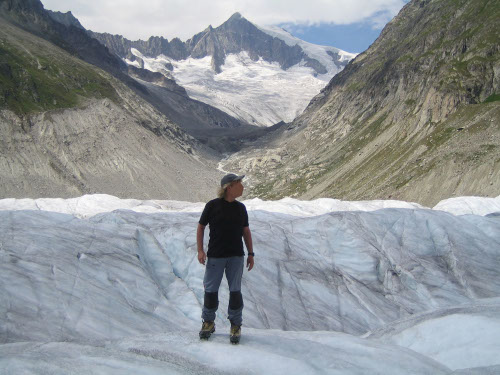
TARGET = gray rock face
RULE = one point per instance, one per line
(157, 78)
(415, 117)
(129, 150)
(154, 46)
(65, 18)
(21, 6)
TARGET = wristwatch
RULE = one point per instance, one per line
(252, 254)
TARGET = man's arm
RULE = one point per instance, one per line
(200, 232)
(247, 237)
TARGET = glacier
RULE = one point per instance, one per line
(257, 92)
(99, 284)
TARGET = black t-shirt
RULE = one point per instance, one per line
(226, 221)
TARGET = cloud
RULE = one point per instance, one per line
(181, 18)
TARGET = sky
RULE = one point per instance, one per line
(351, 25)
(355, 37)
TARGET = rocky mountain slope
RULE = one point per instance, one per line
(64, 30)
(69, 128)
(259, 75)
(415, 117)
(209, 125)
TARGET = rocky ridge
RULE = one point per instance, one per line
(31, 16)
(235, 35)
(415, 117)
(67, 19)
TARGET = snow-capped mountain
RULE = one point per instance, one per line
(261, 75)
(98, 284)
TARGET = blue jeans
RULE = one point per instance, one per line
(233, 266)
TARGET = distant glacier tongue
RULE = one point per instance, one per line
(257, 92)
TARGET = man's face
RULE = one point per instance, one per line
(236, 189)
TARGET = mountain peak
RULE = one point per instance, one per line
(236, 21)
(235, 16)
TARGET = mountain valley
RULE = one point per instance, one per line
(365, 262)
(261, 76)
(415, 117)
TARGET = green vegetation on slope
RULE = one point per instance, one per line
(403, 161)
(37, 77)
(492, 98)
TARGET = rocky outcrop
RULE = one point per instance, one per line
(24, 8)
(158, 79)
(66, 19)
(154, 46)
(415, 117)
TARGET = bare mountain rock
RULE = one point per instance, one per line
(66, 19)
(235, 35)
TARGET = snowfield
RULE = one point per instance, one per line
(100, 285)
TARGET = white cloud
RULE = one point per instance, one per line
(180, 18)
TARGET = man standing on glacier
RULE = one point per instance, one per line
(228, 222)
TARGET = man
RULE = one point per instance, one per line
(228, 221)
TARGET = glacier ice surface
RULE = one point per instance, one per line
(99, 284)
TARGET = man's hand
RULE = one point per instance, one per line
(202, 257)
(247, 236)
(200, 231)
(250, 262)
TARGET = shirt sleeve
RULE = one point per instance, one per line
(205, 215)
(245, 216)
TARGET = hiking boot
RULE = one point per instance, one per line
(235, 334)
(207, 329)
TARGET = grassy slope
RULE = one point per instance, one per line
(37, 76)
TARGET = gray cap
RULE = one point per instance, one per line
(230, 178)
